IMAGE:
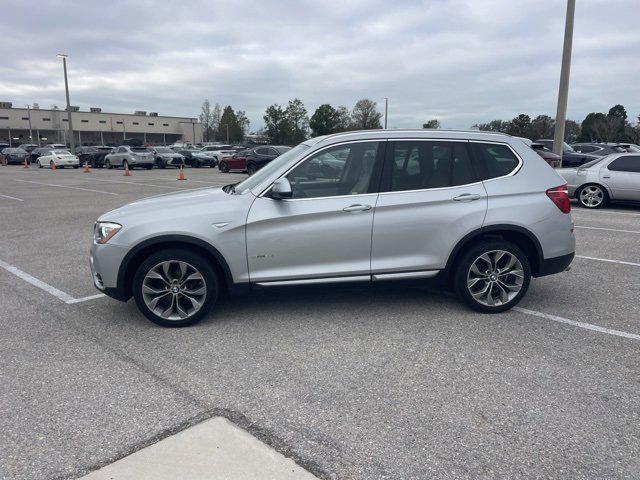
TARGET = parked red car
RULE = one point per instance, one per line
(551, 158)
(251, 160)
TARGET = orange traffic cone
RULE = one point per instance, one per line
(26, 163)
(86, 168)
(53, 165)
(181, 174)
(126, 170)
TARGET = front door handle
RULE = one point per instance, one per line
(606, 176)
(467, 197)
(357, 208)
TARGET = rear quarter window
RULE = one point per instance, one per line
(493, 160)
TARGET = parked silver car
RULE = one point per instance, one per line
(125, 155)
(481, 210)
(611, 178)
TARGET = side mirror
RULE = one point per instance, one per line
(281, 189)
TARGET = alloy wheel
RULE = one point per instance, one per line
(174, 290)
(495, 278)
(591, 196)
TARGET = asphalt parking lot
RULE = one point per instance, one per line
(389, 382)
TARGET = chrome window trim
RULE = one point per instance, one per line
(266, 190)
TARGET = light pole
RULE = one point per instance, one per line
(29, 117)
(72, 140)
(386, 111)
(563, 93)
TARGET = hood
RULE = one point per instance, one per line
(178, 202)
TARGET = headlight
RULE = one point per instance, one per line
(103, 231)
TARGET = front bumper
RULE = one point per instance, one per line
(105, 261)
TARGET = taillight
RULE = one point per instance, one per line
(560, 196)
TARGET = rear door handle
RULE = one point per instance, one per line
(467, 197)
(357, 208)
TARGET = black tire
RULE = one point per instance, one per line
(592, 205)
(251, 169)
(76, 166)
(148, 167)
(38, 163)
(202, 265)
(160, 163)
(195, 164)
(468, 258)
(223, 167)
(107, 164)
(126, 165)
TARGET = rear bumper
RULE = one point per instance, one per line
(549, 266)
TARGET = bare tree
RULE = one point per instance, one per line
(365, 115)
(206, 120)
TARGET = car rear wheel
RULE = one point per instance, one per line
(126, 165)
(593, 196)
(107, 164)
(492, 276)
(223, 167)
(160, 163)
(175, 288)
(38, 163)
(251, 169)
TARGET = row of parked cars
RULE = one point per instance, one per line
(227, 158)
(578, 154)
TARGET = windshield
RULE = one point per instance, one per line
(61, 152)
(282, 150)
(269, 168)
(139, 149)
(163, 150)
(567, 148)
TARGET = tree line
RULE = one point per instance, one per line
(613, 126)
(291, 124)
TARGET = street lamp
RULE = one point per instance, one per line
(386, 111)
(72, 141)
(30, 131)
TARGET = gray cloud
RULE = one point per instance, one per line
(460, 61)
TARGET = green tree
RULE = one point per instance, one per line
(365, 115)
(594, 128)
(243, 121)
(571, 131)
(325, 120)
(298, 122)
(276, 124)
(433, 124)
(520, 126)
(229, 129)
(493, 126)
(617, 123)
(344, 118)
(542, 127)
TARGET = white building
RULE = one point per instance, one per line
(40, 126)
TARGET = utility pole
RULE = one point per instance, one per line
(29, 117)
(72, 140)
(563, 93)
(386, 111)
(193, 126)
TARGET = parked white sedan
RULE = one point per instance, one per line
(606, 179)
(61, 159)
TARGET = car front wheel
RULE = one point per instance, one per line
(492, 276)
(223, 167)
(175, 288)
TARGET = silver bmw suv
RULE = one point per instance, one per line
(480, 210)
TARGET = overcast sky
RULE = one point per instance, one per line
(462, 62)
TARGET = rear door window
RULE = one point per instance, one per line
(493, 160)
(419, 165)
(626, 164)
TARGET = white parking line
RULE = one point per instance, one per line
(607, 229)
(139, 183)
(12, 198)
(59, 294)
(621, 262)
(65, 186)
(586, 326)
(606, 212)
